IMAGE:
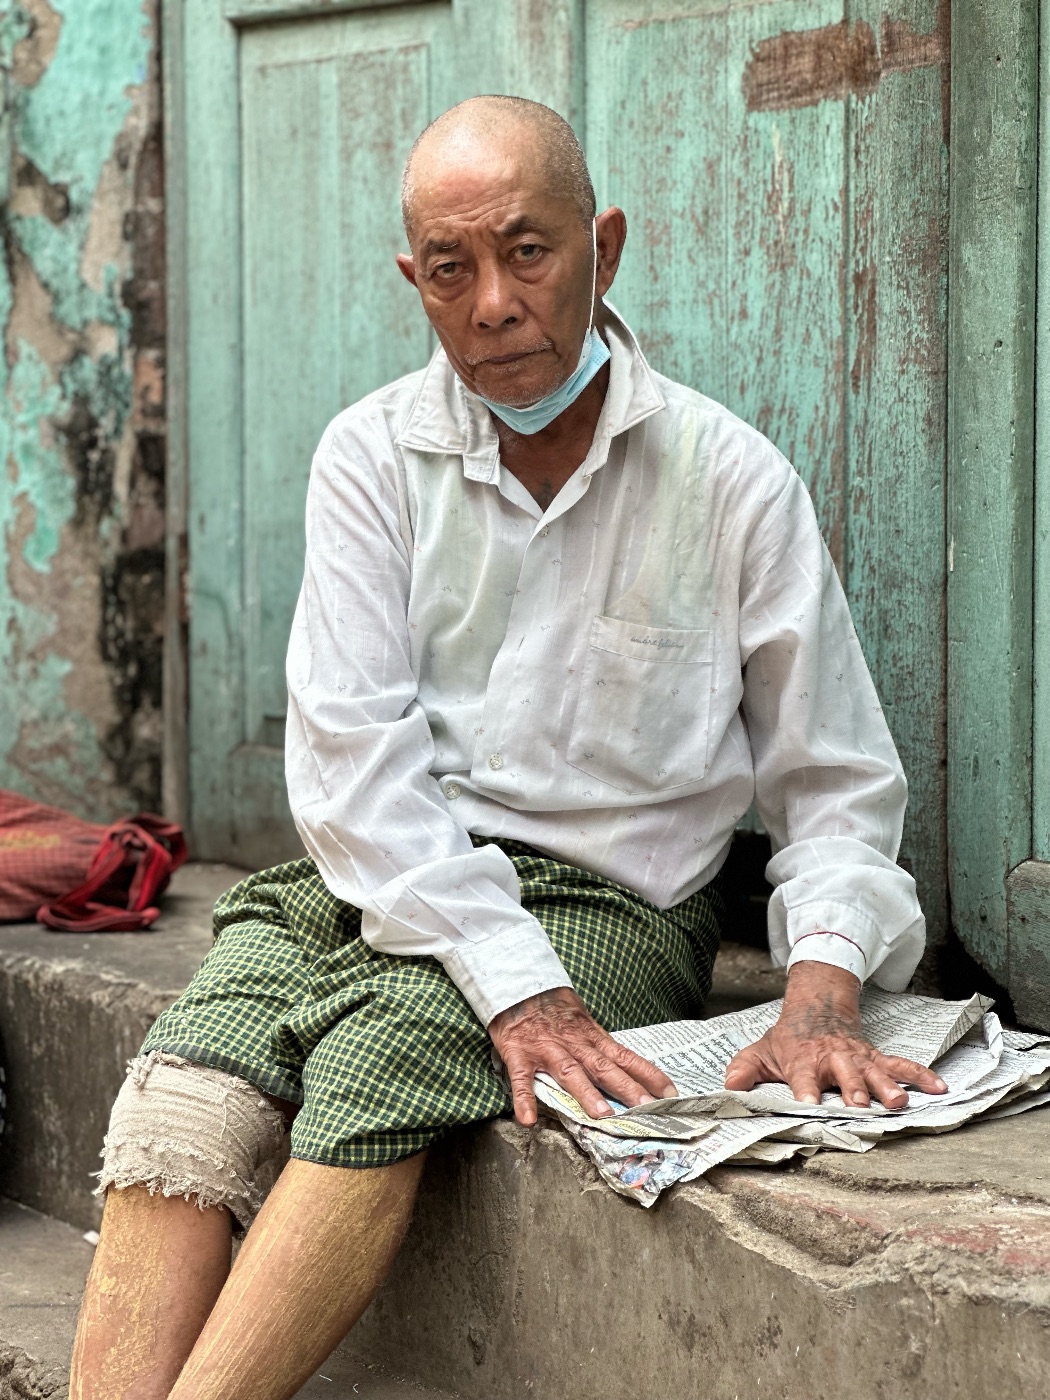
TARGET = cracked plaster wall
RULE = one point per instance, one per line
(81, 404)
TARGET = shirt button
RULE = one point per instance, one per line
(545, 531)
(452, 791)
(496, 761)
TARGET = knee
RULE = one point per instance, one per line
(183, 1129)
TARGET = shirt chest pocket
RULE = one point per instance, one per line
(643, 717)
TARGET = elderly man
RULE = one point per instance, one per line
(562, 620)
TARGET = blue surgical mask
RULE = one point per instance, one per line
(594, 353)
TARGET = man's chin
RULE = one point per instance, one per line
(502, 389)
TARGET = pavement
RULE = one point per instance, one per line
(919, 1269)
(42, 1270)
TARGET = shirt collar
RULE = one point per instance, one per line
(446, 418)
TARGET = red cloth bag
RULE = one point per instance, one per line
(81, 877)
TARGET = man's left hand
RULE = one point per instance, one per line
(818, 1044)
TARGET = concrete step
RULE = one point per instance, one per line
(920, 1269)
(75, 1008)
(43, 1265)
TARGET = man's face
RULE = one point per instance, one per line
(504, 268)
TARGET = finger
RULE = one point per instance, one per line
(803, 1083)
(629, 1088)
(908, 1072)
(652, 1079)
(614, 1080)
(845, 1073)
(574, 1079)
(521, 1072)
(749, 1067)
(884, 1087)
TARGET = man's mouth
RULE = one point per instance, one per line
(477, 362)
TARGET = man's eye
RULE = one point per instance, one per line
(446, 270)
(528, 251)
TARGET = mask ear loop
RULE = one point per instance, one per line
(594, 271)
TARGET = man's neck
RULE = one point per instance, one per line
(544, 461)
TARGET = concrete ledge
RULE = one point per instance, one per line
(523, 1274)
(75, 1008)
(920, 1269)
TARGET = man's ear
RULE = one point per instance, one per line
(407, 266)
(611, 234)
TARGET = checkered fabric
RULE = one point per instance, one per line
(384, 1053)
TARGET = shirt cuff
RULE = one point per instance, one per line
(505, 968)
(829, 931)
(833, 948)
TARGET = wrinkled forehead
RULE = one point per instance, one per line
(482, 185)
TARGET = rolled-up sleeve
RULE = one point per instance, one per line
(359, 750)
(828, 783)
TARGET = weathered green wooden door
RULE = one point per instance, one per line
(783, 169)
(999, 498)
(294, 119)
(782, 166)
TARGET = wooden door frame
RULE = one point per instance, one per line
(175, 706)
(1000, 894)
(190, 98)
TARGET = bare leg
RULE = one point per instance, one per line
(310, 1265)
(160, 1265)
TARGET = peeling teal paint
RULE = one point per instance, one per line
(55, 251)
(36, 478)
(67, 125)
(104, 385)
(70, 120)
(14, 26)
(41, 476)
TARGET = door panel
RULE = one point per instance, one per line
(327, 116)
(782, 167)
(731, 270)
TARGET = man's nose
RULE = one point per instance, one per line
(495, 298)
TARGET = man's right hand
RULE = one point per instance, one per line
(555, 1032)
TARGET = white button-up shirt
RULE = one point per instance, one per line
(612, 680)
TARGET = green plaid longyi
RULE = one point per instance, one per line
(384, 1053)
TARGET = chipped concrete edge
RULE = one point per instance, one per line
(833, 1249)
(99, 986)
(23, 1378)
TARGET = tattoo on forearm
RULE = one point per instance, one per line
(821, 1016)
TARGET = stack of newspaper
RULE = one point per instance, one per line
(990, 1073)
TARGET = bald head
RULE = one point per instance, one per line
(508, 256)
(490, 124)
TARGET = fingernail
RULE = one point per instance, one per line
(602, 1110)
(671, 1093)
(940, 1084)
(809, 1098)
(646, 1098)
(859, 1099)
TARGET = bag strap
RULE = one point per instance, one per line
(95, 918)
(160, 848)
